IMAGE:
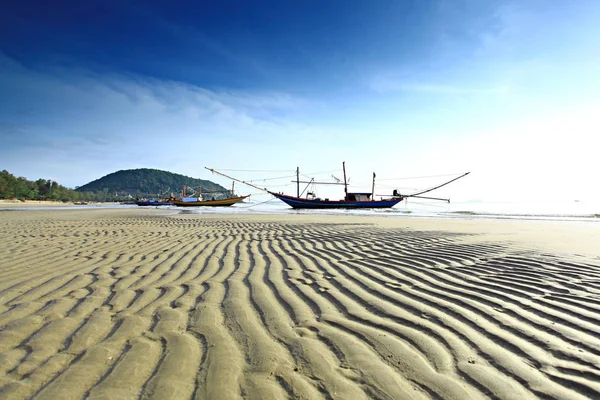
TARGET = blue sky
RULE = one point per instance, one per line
(506, 89)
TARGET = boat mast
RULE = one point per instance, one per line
(298, 181)
(373, 188)
(345, 183)
(232, 187)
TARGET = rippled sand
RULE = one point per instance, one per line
(137, 304)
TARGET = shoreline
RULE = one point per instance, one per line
(396, 212)
(47, 203)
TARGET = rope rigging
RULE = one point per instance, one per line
(417, 177)
(312, 184)
(271, 179)
(255, 170)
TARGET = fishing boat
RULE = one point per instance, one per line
(199, 201)
(209, 203)
(351, 200)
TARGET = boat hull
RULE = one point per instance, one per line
(209, 203)
(296, 202)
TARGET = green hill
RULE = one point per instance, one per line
(146, 182)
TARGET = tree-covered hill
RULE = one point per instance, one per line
(146, 182)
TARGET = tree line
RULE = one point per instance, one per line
(20, 188)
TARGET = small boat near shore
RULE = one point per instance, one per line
(199, 201)
(155, 203)
(209, 203)
(351, 200)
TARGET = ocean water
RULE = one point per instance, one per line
(411, 208)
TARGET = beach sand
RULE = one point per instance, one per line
(135, 303)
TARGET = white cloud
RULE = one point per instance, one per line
(102, 123)
(383, 83)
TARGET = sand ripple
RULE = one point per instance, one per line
(222, 308)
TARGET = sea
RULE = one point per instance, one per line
(522, 210)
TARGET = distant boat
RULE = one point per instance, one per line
(351, 199)
(213, 202)
(153, 203)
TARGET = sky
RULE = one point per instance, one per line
(508, 90)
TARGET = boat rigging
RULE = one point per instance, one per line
(351, 199)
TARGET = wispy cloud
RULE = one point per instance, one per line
(451, 62)
(441, 89)
(397, 83)
(527, 48)
(100, 122)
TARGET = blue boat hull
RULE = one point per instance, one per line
(296, 202)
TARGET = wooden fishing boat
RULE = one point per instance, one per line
(209, 203)
(351, 200)
(199, 201)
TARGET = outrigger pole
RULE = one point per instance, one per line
(214, 171)
(236, 180)
(417, 195)
(430, 198)
(437, 187)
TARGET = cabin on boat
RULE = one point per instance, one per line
(358, 196)
(192, 199)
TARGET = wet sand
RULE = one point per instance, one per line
(134, 303)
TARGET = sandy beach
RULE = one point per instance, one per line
(147, 303)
